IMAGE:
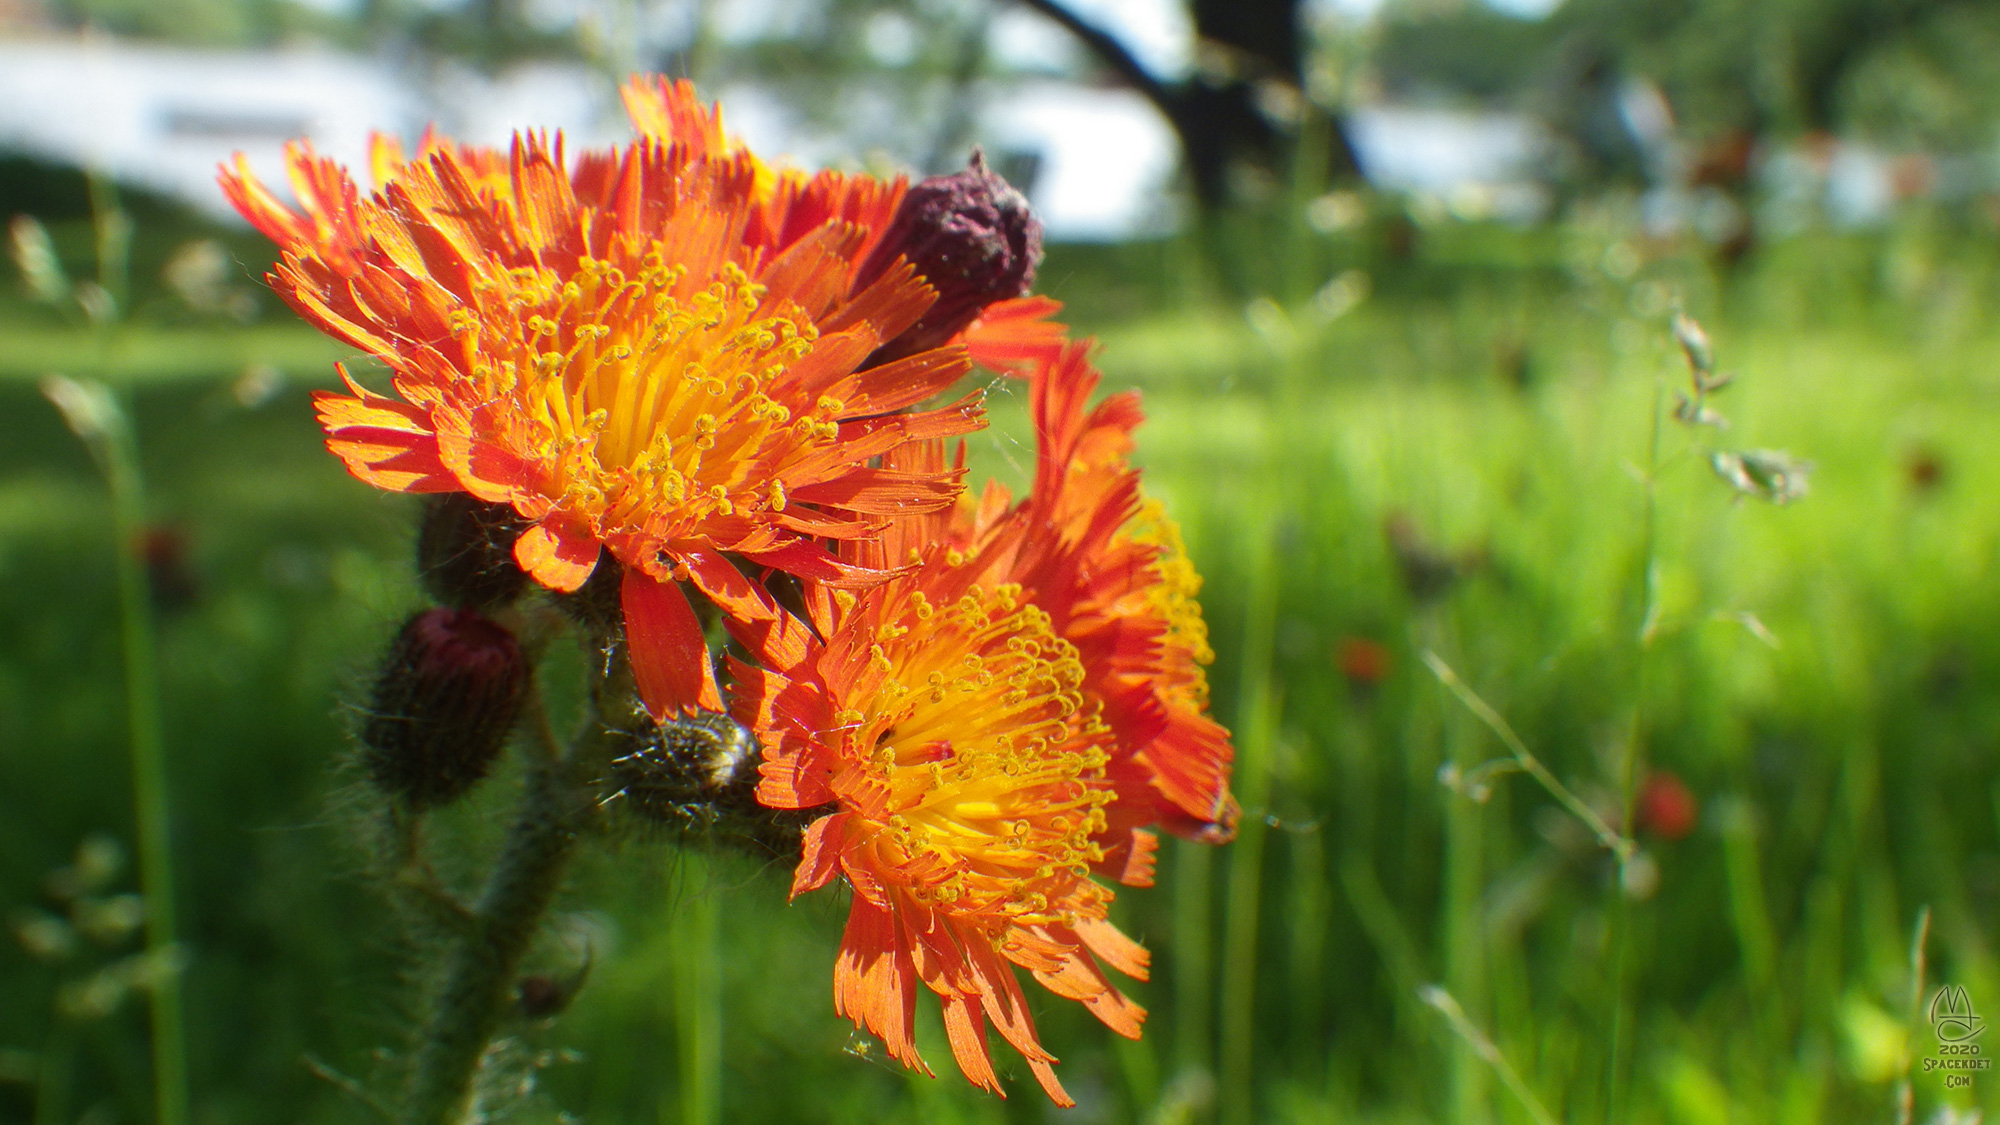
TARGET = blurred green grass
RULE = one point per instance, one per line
(1496, 392)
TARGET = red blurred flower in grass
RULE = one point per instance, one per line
(946, 723)
(655, 350)
(1667, 807)
(1364, 661)
(1110, 569)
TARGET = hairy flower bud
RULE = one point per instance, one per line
(679, 765)
(465, 551)
(446, 698)
(700, 775)
(972, 237)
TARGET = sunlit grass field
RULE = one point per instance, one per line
(1455, 456)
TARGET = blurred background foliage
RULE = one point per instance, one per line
(1389, 422)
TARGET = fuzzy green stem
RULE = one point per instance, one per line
(481, 968)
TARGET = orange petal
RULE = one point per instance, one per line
(667, 110)
(1077, 977)
(810, 560)
(669, 655)
(965, 1026)
(819, 854)
(258, 204)
(1132, 860)
(726, 586)
(1111, 945)
(1012, 335)
(792, 782)
(874, 982)
(557, 557)
(904, 382)
(1046, 1075)
(885, 492)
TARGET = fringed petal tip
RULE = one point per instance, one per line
(1016, 336)
(382, 441)
(1218, 829)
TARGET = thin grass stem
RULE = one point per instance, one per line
(1194, 926)
(698, 995)
(1620, 920)
(96, 416)
(54, 1076)
(1256, 730)
(1464, 936)
(1447, 1006)
(1610, 838)
(1749, 909)
(1906, 1100)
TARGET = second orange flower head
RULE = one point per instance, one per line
(660, 350)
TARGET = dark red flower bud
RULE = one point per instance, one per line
(972, 237)
(1667, 808)
(465, 551)
(444, 703)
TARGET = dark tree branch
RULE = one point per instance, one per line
(1218, 122)
(1114, 55)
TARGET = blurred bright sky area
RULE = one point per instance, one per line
(1103, 157)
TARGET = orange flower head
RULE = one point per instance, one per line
(944, 722)
(656, 350)
(1110, 568)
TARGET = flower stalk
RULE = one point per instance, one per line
(480, 971)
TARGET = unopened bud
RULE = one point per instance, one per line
(971, 236)
(540, 996)
(680, 772)
(699, 776)
(465, 551)
(598, 605)
(447, 696)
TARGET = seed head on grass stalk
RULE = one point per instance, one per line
(1769, 474)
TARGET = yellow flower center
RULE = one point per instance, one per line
(1173, 597)
(642, 390)
(977, 770)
